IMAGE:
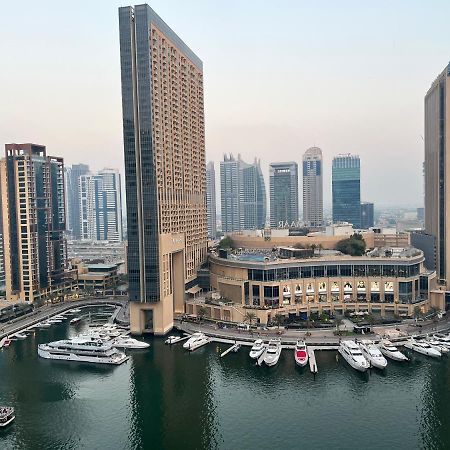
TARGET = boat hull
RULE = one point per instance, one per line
(82, 358)
(5, 424)
(357, 367)
(394, 356)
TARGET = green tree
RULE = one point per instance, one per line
(226, 243)
(417, 312)
(338, 322)
(354, 246)
(201, 312)
(278, 319)
(250, 317)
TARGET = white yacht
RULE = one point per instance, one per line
(6, 415)
(391, 351)
(20, 336)
(195, 341)
(75, 320)
(173, 340)
(75, 311)
(422, 347)
(373, 354)
(438, 345)
(273, 352)
(43, 325)
(128, 342)
(257, 349)
(351, 352)
(52, 321)
(443, 338)
(82, 349)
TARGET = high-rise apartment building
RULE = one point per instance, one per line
(72, 178)
(32, 189)
(346, 189)
(243, 195)
(211, 200)
(367, 219)
(101, 206)
(283, 180)
(313, 187)
(165, 169)
(437, 171)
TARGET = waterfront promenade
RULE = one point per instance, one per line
(44, 312)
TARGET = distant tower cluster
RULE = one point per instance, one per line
(346, 187)
(313, 187)
(243, 195)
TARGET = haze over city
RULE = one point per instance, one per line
(279, 78)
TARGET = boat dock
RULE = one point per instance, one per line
(312, 361)
(230, 349)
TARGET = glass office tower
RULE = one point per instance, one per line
(346, 187)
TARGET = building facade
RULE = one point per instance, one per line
(367, 217)
(313, 187)
(211, 200)
(437, 170)
(346, 189)
(101, 206)
(165, 169)
(283, 179)
(243, 195)
(71, 180)
(386, 281)
(32, 188)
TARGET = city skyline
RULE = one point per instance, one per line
(343, 123)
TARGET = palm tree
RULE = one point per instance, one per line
(201, 312)
(338, 322)
(250, 317)
(278, 319)
(371, 321)
(417, 312)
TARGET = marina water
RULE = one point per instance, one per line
(166, 398)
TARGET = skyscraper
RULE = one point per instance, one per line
(32, 188)
(165, 173)
(243, 195)
(436, 167)
(346, 187)
(71, 180)
(313, 187)
(366, 215)
(211, 200)
(101, 206)
(283, 179)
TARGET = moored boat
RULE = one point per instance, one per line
(373, 354)
(391, 351)
(190, 342)
(172, 340)
(422, 347)
(257, 349)
(128, 342)
(6, 415)
(351, 352)
(438, 346)
(273, 352)
(301, 354)
(75, 320)
(20, 336)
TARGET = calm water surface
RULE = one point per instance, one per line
(164, 398)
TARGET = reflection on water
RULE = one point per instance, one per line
(165, 398)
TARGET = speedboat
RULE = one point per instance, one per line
(388, 349)
(52, 321)
(75, 320)
(6, 415)
(82, 349)
(75, 311)
(128, 342)
(20, 336)
(301, 354)
(422, 347)
(372, 353)
(351, 352)
(273, 352)
(7, 342)
(193, 342)
(257, 349)
(43, 325)
(172, 340)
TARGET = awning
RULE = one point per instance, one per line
(194, 290)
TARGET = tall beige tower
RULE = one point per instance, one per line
(312, 187)
(165, 171)
(437, 170)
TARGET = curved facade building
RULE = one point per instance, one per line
(385, 281)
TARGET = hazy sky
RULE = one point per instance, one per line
(346, 76)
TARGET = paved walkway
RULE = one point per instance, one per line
(45, 312)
